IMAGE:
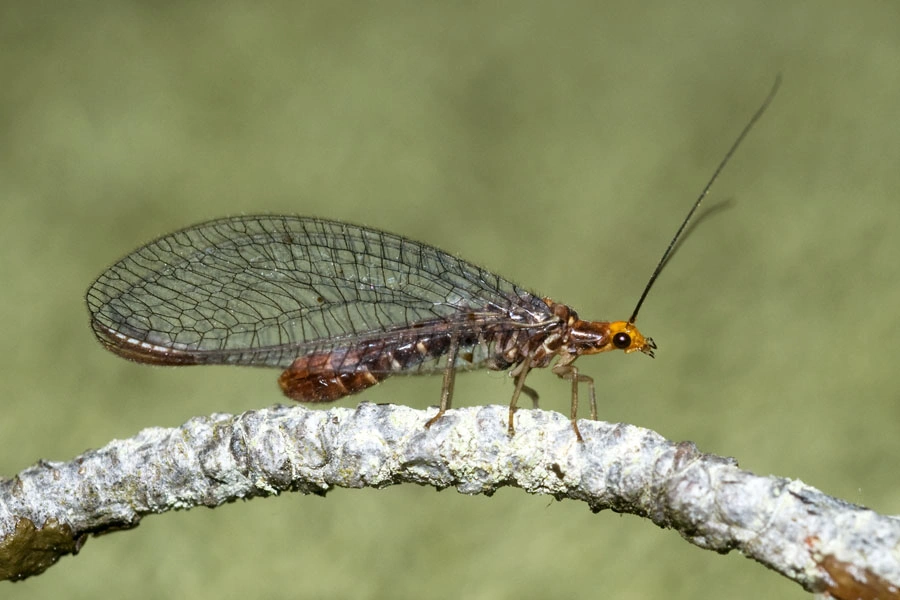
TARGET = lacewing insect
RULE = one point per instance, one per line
(340, 307)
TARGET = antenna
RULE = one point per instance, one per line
(668, 253)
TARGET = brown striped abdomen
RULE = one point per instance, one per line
(314, 378)
(330, 375)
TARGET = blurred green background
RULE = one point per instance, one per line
(558, 144)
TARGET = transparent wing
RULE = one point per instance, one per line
(262, 290)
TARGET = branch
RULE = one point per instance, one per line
(822, 543)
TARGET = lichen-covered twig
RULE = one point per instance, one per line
(822, 543)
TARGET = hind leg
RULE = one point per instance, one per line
(449, 379)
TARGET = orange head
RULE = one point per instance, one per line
(624, 335)
(593, 337)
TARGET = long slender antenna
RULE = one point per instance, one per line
(665, 257)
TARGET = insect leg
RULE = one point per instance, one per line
(524, 367)
(449, 379)
(571, 373)
(531, 393)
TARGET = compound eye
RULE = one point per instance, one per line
(621, 340)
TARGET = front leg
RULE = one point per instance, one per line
(569, 372)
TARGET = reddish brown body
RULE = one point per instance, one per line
(315, 378)
(329, 376)
(340, 307)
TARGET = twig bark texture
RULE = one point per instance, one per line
(824, 544)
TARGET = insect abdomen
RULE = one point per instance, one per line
(330, 375)
(314, 378)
